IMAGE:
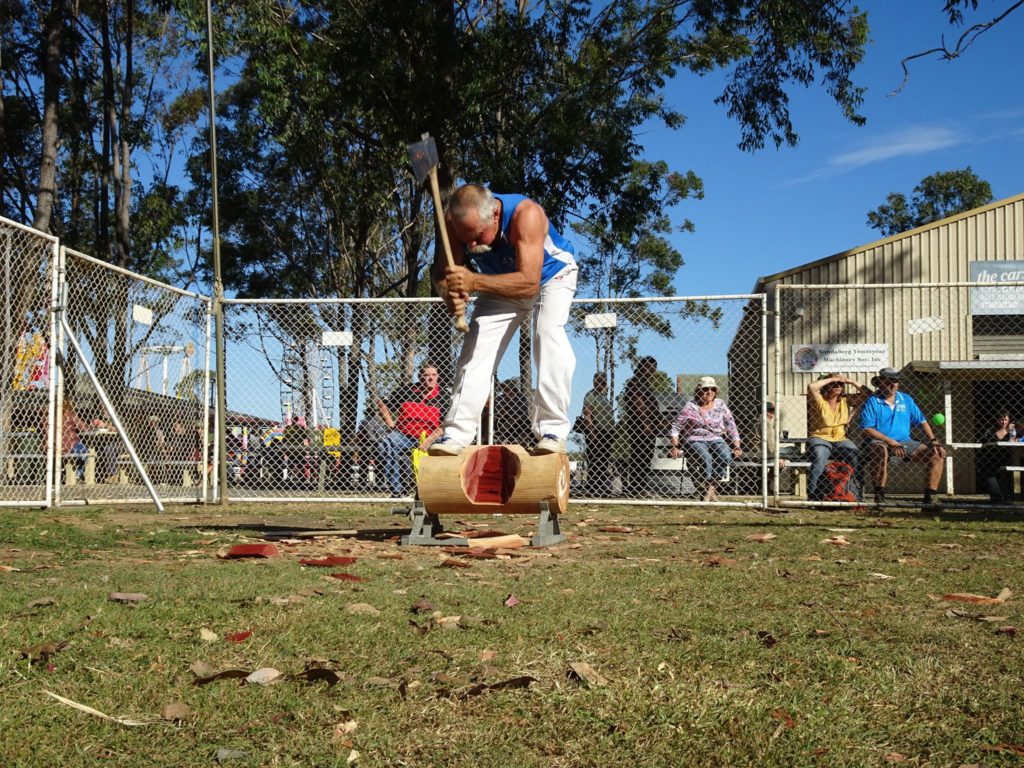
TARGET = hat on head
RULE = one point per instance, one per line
(830, 375)
(887, 373)
(705, 382)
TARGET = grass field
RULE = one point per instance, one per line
(835, 640)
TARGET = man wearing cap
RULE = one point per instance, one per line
(829, 409)
(886, 420)
(704, 424)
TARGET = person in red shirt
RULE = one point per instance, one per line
(411, 415)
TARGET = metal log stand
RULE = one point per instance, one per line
(487, 480)
(549, 533)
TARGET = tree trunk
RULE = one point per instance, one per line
(51, 97)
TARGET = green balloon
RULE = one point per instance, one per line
(938, 419)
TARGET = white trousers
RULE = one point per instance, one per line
(495, 321)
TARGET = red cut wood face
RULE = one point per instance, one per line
(490, 475)
(253, 550)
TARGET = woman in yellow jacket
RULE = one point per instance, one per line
(829, 410)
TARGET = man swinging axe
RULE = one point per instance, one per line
(507, 252)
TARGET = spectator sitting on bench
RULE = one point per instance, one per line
(886, 419)
(409, 414)
(71, 445)
(702, 425)
(992, 459)
(829, 409)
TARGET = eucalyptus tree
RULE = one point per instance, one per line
(935, 197)
(547, 99)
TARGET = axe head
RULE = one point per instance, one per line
(423, 155)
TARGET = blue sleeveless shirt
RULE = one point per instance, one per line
(558, 252)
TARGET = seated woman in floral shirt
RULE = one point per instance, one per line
(703, 425)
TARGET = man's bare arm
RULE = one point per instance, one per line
(527, 231)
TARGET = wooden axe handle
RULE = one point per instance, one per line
(460, 320)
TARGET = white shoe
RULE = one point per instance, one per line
(445, 446)
(549, 444)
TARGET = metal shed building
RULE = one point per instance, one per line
(890, 303)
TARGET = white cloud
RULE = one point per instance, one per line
(912, 140)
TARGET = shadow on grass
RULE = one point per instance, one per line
(278, 532)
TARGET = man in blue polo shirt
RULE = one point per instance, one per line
(885, 421)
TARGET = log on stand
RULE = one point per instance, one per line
(489, 479)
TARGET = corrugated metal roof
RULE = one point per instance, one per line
(762, 281)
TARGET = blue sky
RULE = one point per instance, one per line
(775, 209)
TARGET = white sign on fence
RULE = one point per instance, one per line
(997, 301)
(814, 358)
(141, 314)
(602, 320)
(336, 339)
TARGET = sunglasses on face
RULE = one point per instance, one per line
(706, 389)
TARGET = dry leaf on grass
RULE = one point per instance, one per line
(239, 637)
(838, 541)
(40, 602)
(265, 676)
(40, 654)
(720, 562)
(422, 606)
(451, 562)
(341, 576)
(488, 655)
(319, 675)
(127, 597)
(784, 717)
(767, 639)
(966, 597)
(176, 711)
(761, 537)
(615, 529)
(240, 551)
(227, 674)
(344, 728)
(207, 635)
(511, 601)
(1011, 631)
(523, 681)
(1013, 749)
(582, 672)
(327, 562)
(362, 609)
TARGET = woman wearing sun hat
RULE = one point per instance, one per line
(703, 425)
(829, 409)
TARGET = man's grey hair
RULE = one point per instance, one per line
(472, 197)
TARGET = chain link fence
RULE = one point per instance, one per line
(334, 399)
(136, 388)
(956, 351)
(29, 278)
(707, 399)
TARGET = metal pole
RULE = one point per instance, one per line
(218, 284)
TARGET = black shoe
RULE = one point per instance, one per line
(879, 498)
(931, 505)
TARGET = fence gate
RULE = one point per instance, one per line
(29, 281)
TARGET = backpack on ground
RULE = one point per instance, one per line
(837, 482)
